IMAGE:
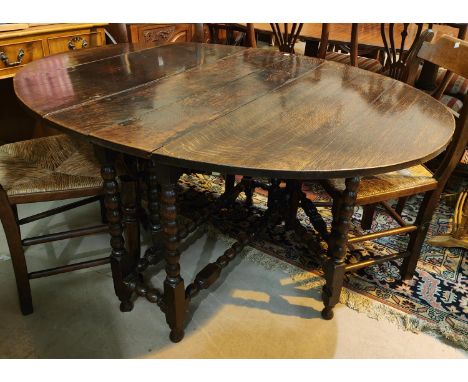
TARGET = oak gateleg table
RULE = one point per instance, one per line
(232, 110)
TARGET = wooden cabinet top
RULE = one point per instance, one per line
(47, 28)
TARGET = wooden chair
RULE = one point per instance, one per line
(286, 37)
(452, 54)
(411, 75)
(42, 170)
(232, 34)
(395, 56)
(350, 56)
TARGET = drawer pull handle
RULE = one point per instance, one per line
(7, 62)
(76, 39)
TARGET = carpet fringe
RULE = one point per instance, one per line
(373, 309)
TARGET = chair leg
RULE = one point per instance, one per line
(426, 210)
(14, 207)
(400, 205)
(368, 212)
(13, 235)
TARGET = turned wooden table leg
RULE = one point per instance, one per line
(119, 258)
(229, 182)
(334, 267)
(154, 252)
(129, 219)
(249, 190)
(293, 189)
(174, 289)
(274, 193)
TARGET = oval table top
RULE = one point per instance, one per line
(246, 111)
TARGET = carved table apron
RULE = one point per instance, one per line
(253, 112)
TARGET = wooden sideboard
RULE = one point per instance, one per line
(159, 34)
(155, 34)
(17, 48)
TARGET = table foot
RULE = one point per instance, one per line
(126, 306)
(327, 313)
(176, 335)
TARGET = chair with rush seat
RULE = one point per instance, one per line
(452, 54)
(42, 170)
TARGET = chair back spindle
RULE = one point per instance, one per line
(286, 38)
(354, 45)
(323, 47)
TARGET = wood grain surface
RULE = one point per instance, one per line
(250, 111)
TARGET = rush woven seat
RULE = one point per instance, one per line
(464, 159)
(411, 180)
(55, 163)
(362, 62)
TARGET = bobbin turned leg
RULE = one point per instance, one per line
(249, 190)
(153, 253)
(130, 220)
(334, 267)
(174, 289)
(293, 189)
(229, 182)
(119, 260)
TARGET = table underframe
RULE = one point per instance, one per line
(124, 215)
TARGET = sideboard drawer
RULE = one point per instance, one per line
(15, 55)
(154, 34)
(74, 42)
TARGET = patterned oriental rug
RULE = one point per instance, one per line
(435, 301)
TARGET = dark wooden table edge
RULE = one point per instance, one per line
(287, 174)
